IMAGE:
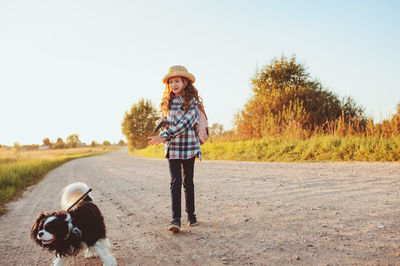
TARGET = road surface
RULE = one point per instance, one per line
(249, 213)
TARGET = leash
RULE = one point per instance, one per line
(83, 196)
(71, 228)
(160, 123)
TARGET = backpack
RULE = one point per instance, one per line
(202, 126)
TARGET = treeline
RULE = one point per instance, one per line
(71, 141)
(287, 102)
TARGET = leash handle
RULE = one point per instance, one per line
(161, 122)
(83, 196)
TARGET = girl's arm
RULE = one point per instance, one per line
(155, 140)
(187, 121)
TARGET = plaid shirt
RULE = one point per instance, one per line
(182, 142)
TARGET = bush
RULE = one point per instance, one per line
(287, 102)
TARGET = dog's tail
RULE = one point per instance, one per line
(72, 193)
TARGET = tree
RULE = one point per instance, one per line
(106, 143)
(138, 123)
(60, 144)
(94, 144)
(46, 143)
(285, 99)
(73, 141)
(121, 143)
(216, 130)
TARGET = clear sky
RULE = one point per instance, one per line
(71, 67)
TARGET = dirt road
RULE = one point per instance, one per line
(249, 213)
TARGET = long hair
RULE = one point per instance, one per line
(188, 93)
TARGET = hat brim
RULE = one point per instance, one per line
(179, 74)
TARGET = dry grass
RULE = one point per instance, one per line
(14, 154)
(20, 169)
(322, 148)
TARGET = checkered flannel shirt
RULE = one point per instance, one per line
(182, 142)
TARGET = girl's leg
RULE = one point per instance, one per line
(188, 185)
(176, 185)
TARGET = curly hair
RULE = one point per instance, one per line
(188, 93)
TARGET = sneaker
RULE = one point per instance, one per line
(192, 221)
(175, 225)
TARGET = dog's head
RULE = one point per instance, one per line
(50, 229)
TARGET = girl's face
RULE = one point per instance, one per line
(176, 84)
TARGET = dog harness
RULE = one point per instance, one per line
(71, 228)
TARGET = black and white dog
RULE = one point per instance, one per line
(82, 227)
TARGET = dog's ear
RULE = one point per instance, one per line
(36, 225)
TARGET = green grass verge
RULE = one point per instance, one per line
(16, 174)
(324, 148)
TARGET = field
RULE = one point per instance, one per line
(20, 169)
(319, 148)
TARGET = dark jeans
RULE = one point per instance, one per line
(175, 169)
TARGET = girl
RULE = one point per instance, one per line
(179, 106)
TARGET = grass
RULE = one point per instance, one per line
(19, 170)
(150, 152)
(321, 148)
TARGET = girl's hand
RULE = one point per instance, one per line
(155, 140)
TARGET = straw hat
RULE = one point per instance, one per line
(178, 71)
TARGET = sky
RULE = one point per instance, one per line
(76, 67)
